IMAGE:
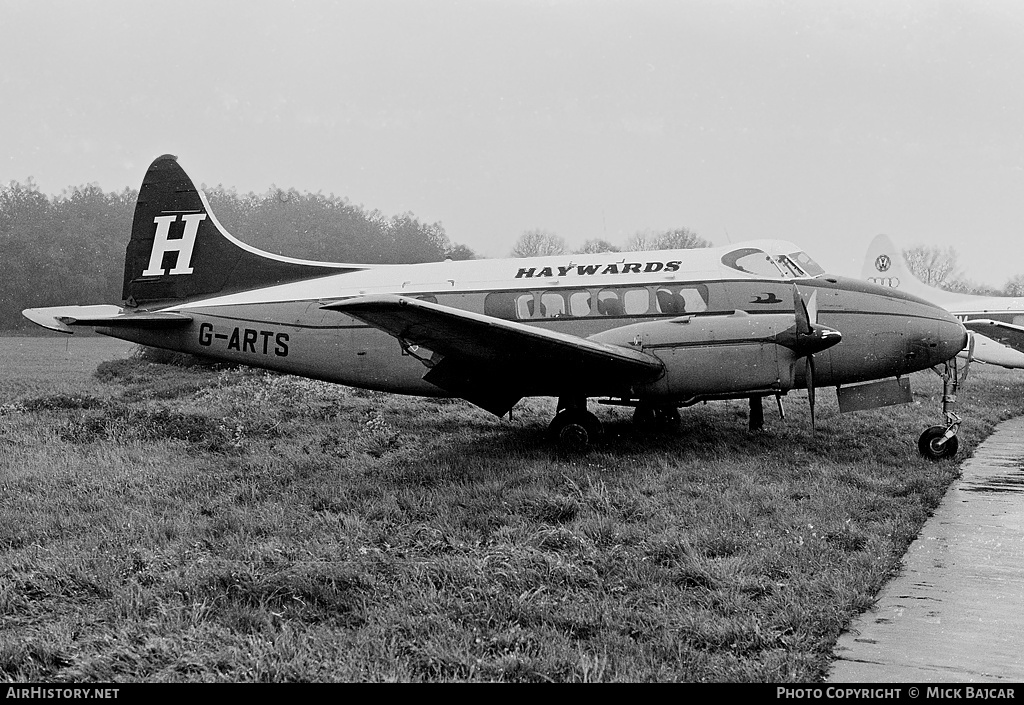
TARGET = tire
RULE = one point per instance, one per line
(573, 430)
(927, 444)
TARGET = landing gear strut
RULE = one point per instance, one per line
(660, 416)
(574, 428)
(939, 442)
(755, 420)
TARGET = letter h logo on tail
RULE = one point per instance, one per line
(183, 245)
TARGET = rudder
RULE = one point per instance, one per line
(178, 250)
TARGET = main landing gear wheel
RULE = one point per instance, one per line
(574, 430)
(932, 446)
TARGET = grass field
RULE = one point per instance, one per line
(164, 523)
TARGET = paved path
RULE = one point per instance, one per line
(955, 614)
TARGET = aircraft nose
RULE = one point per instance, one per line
(949, 341)
(958, 336)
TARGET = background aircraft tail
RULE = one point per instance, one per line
(179, 251)
(884, 264)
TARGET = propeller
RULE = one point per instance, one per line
(810, 337)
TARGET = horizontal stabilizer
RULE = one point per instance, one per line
(60, 318)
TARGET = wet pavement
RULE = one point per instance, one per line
(955, 613)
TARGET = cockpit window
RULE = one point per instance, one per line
(807, 264)
(789, 267)
(752, 261)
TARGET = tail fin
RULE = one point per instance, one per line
(884, 264)
(178, 249)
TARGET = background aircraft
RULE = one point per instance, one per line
(997, 321)
(654, 330)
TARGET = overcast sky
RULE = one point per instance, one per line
(820, 122)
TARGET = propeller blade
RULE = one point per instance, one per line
(810, 338)
(812, 308)
(803, 316)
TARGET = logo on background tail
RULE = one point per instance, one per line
(882, 263)
(183, 245)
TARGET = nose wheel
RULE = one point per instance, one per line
(940, 442)
(934, 443)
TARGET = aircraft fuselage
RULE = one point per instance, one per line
(708, 349)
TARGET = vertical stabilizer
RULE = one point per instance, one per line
(179, 251)
(884, 264)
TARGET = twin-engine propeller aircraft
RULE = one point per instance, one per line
(997, 322)
(653, 330)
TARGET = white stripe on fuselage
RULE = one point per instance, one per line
(561, 271)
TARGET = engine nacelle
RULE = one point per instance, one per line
(714, 356)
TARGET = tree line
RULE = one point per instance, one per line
(938, 267)
(539, 242)
(69, 248)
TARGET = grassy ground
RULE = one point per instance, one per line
(171, 524)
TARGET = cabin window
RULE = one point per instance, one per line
(637, 301)
(525, 305)
(552, 305)
(579, 303)
(608, 303)
(618, 302)
(501, 304)
(678, 301)
(674, 299)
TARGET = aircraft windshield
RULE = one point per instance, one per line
(795, 265)
(789, 267)
(803, 262)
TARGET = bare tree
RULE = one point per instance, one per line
(678, 239)
(1015, 287)
(966, 286)
(681, 239)
(932, 265)
(596, 246)
(537, 243)
(640, 241)
(459, 252)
